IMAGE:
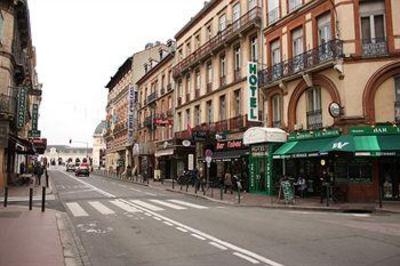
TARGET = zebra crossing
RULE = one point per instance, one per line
(113, 206)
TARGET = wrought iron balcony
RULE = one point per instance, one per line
(152, 97)
(273, 15)
(397, 111)
(183, 135)
(314, 119)
(314, 59)
(231, 32)
(8, 106)
(374, 47)
(221, 126)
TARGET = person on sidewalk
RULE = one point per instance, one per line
(228, 182)
(301, 186)
(38, 172)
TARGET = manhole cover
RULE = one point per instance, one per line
(10, 214)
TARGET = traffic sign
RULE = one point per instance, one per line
(208, 153)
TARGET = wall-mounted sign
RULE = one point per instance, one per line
(252, 83)
(35, 116)
(190, 162)
(334, 109)
(34, 133)
(233, 144)
(21, 106)
(314, 134)
(186, 143)
(377, 130)
(131, 114)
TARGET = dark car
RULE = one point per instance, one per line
(82, 170)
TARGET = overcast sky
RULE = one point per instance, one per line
(80, 45)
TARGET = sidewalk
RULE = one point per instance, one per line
(29, 238)
(263, 201)
(21, 193)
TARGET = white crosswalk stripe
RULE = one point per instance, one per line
(124, 206)
(184, 203)
(101, 208)
(76, 209)
(167, 204)
(147, 205)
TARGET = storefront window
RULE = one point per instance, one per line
(356, 170)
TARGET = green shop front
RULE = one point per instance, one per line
(263, 172)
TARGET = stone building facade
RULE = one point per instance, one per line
(99, 145)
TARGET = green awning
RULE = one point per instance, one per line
(383, 145)
(302, 148)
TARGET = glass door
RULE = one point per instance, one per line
(390, 178)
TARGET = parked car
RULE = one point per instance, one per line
(82, 169)
(70, 167)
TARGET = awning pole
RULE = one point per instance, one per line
(284, 166)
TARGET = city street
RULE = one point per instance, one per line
(126, 224)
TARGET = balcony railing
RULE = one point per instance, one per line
(169, 87)
(222, 126)
(148, 122)
(183, 135)
(273, 15)
(374, 47)
(314, 119)
(162, 91)
(310, 60)
(8, 105)
(152, 97)
(397, 111)
(251, 18)
(237, 75)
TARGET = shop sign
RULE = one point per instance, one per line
(35, 116)
(131, 113)
(229, 145)
(21, 106)
(314, 134)
(199, 136)
(259, 150)
(34, 133)
(378, 130)
(252, 83)
(163, 122)
(190, 162)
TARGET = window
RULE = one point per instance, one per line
(222, 65)
(198, 79)
(222, 23)
(252, 4)
(236, 102)
(188, 84)
(324, 28)
(209, 112)
(209, 32)
(187, 118)
(276, 111)
(273, 11)
(179, 122)
(180, 89)
(209, 72)
(162, 82)
(297, 49)
(236, 12)
(254, 49)
(314, 112)
(197, 115)
(197, 41)
(1, 26)
(373, 28)
(188, 48)
(397, 99)
(237, 58)
(180, 54)
(222, 108)
(276, 60)
(294, 4)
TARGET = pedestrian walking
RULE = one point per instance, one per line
(228, 182)
(38, 172)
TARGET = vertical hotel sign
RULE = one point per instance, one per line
(35, 116)
(21, 106)
(131, 114)
(252, 84)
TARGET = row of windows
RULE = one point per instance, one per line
(209, 118)
(222, 25)
(222, 69)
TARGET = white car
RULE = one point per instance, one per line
(70, 167)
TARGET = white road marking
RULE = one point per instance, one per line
(198, 237)
(184, 203)
(77, 191)
(136, 190)
(101, 208)
(181, 229)
(147, 205)
(249, 259)
(109, 195)
(147, 214)
(76, 209)
(212, 238)
(168, 223)
(150, 194)
(217, 245)
(156, 218)
(124, 206)
(170, 205)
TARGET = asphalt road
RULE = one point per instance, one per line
(126, 224)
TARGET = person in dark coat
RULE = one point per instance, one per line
(38, 172)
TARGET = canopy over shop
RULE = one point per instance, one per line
(262, 172)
